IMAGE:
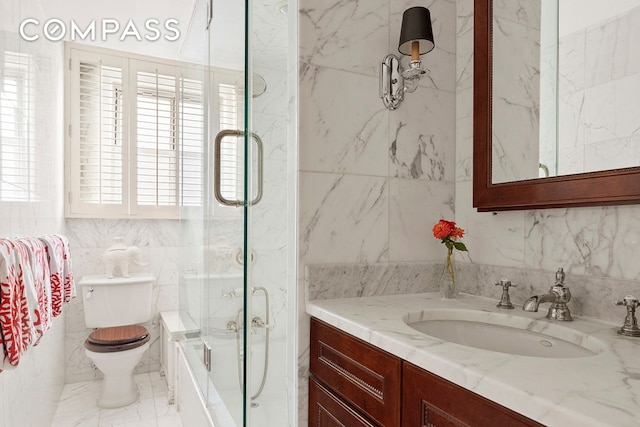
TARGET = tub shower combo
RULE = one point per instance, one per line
(237, 285)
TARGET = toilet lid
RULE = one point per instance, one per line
(120, 338)
(118, 335)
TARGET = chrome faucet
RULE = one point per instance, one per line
(559, 295)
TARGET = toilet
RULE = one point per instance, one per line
(116, 307)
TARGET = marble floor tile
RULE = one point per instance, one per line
(77, 407)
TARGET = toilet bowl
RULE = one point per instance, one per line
(116, 352)
(115, 307)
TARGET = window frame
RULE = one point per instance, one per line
(130, 64)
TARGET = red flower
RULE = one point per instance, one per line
(447, 229)
(449, 234)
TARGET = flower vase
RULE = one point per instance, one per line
(448, 286)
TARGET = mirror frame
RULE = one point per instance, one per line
(613, 187)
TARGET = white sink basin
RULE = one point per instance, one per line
(504, 333)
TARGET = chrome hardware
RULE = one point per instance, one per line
(218, 164)
(257, 322)
(232, 326)
(89, 293)
(630, 327)
(559, 295)
(391, 82)
(505, 301)
(207, 355)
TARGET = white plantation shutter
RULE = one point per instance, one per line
(192, 115)
(98, 134)
(231, 148)
(137, 135)
(17, 128)
(155, 120)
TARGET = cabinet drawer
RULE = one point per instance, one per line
(366, 377)
(429, 400)
(327, 410)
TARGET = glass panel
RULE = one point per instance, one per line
(268, 220)
(237, 260)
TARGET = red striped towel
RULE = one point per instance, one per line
(15, 319)
(41, 284)
(55, 257)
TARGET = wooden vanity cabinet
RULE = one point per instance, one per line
(328, 410)
(428, 400)
(355, 384)
(354, 372)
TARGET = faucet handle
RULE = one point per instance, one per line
(505, 283)
(629, 301)
(630, 327)
(505, 301)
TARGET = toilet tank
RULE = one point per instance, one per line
(118, 301)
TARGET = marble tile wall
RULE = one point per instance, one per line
(40, 375)
(372, 182)
(159, 242)
(329, 281)
(595, 245)
(600, 77)
(516, 43)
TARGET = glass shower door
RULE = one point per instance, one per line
(236, 242)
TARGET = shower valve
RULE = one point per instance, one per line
(257, 322)
(232, 326)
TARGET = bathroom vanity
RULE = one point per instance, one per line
(371, 366)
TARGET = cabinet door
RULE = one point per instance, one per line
(327, 410)
(430, 401)
(366, 377)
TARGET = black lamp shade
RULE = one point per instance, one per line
(416, 26)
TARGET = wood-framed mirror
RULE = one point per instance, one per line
(610, 187)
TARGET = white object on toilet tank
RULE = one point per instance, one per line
(116, 302)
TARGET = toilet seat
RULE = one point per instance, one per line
(119, 338)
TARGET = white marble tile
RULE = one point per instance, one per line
(415, 207)
(78, 406)
(143, 409)
(86, 417)
(164, 264)
(464, 45)
(571, 120)
(601, 48)
(620, 153)
(571, 62)
(344, 130)
(610, 109)
(331, 281)
(172, 420)
(464, 135)
(343, 218)
(272, 129)
(421, 136)
(274, 99)
(342, 35)
(491, 239)
(523, 12)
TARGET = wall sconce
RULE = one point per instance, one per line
(416, 38)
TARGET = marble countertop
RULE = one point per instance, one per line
(600, 390)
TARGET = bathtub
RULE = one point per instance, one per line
(221, 404)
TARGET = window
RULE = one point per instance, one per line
(17, 133)
(136, 134)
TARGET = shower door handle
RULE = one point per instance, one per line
(218, 164)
